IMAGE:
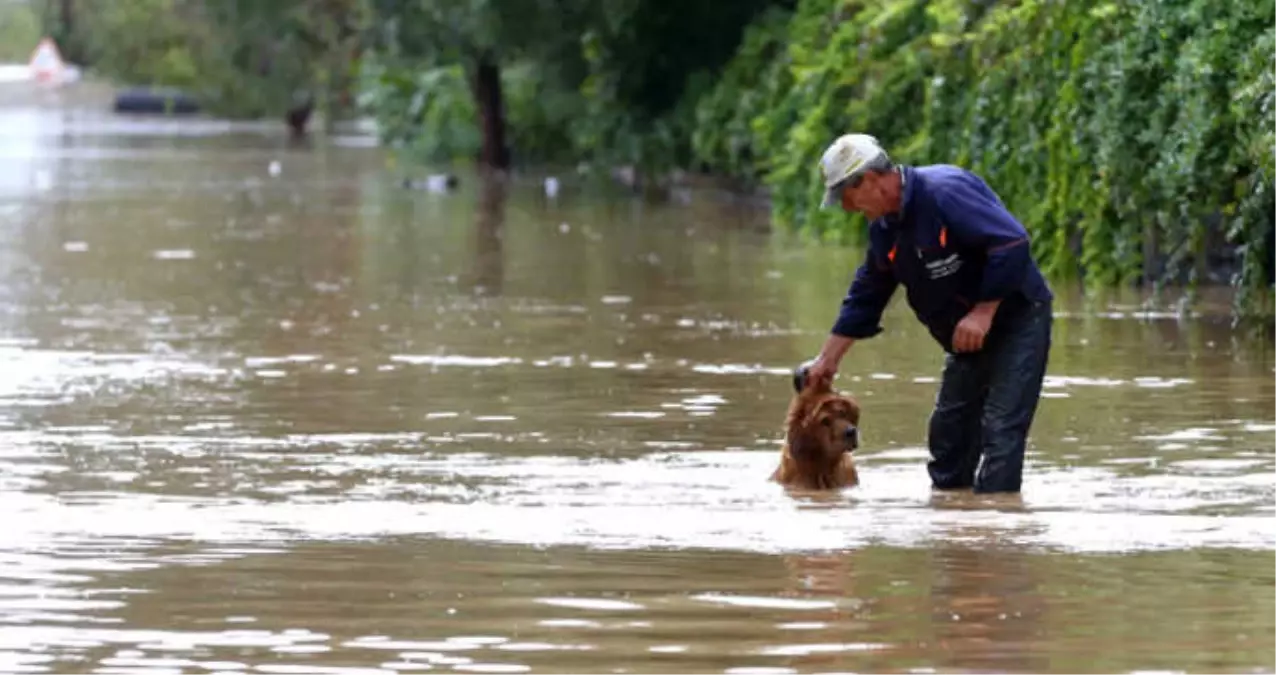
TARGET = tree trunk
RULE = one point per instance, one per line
(69, 44)
(1151, 251)
(487, 95)
(68, 15)
(489, 250)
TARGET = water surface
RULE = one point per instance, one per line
(302, 420)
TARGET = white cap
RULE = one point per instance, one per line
(846, 158)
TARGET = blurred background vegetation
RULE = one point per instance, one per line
(19, 30)
(1136, 140)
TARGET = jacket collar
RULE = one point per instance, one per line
(907, 184)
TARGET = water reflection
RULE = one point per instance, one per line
(297, 419)
(488, 275)
(565, 609)
(984, 598)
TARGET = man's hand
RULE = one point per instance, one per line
(973, 328)
(825, 366)
(823, 371)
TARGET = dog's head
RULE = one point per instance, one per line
(822, 424)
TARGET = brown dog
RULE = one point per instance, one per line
(821, 432)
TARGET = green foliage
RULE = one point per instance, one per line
(542, 114)
(530, 44)
(241, 58)
(19, 31)
(649, 62)
(1254, 117)
(429, 114)
(728, 131)
(604, 81)
(264, 57)
(142, 42)
(1134, 139)
(842, 64)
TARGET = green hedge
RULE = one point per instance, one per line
(1134, 139)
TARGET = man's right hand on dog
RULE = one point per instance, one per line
(822, 370)
(824, 367)
(814, 371)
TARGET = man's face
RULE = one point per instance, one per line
(869, 194)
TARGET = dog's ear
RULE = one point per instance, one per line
(799, 408)
(801, 442)
(817, 405)
(803, 434)
(855, 409)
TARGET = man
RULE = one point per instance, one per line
(965, 263)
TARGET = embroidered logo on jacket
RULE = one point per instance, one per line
(938, 269)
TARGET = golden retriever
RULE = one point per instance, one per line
(821, 432)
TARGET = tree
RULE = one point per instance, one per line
(242, 58)
(632, 67)
(482, 37)
(649, 63)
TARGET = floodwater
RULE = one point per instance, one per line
(302, 420)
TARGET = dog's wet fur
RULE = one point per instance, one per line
(821, 432)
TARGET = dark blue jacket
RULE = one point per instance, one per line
(952, 245)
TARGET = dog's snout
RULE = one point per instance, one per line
(853, 436)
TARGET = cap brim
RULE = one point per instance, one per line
(832, 196)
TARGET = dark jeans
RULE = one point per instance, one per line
(986, 403)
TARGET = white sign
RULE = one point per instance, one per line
(46, 62)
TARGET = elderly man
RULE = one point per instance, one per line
(966, 266)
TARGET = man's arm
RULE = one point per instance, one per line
(978, 220)
(861, 312)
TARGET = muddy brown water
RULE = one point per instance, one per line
(313, 423)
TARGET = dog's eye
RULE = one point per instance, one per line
(826, 421)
